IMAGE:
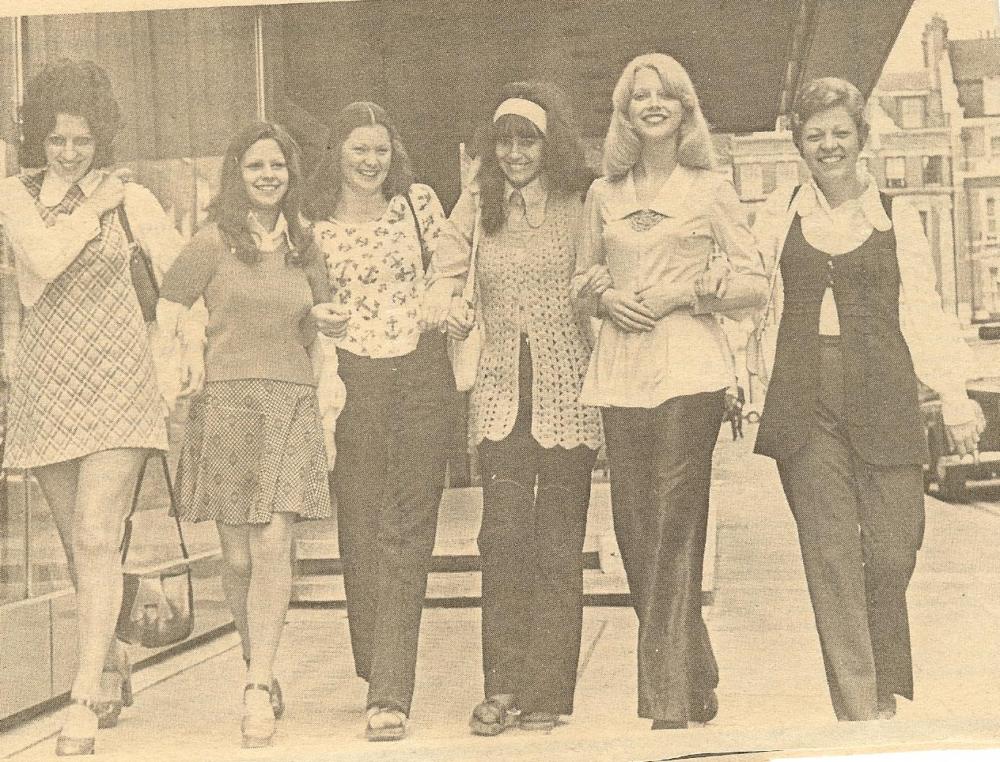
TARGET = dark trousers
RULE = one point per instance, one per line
(860, 527)
(388, 479)
(661, 473)
(535, 502)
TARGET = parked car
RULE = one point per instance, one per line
(947, 470)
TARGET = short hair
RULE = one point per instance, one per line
(324, 185)
(563, 160)
(826, 93)
(77, 88)
(622, 145)
(231, 206)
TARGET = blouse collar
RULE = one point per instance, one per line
(670, 199)
(535, 194)
(268, 240)
(812, 201)
(55, 188)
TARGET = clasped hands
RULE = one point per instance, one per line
(639, 311)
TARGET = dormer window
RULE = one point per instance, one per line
(912, 112)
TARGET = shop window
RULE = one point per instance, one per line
(912, 113)
(895, 172)
(933, 170)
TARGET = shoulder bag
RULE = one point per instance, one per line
(147, 291)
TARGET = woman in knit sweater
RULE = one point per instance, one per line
(253, 458)
(536, 443)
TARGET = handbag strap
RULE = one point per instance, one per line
(425, 256)
(127, 537)
(777, 269)
(123, 219)
(469, 290)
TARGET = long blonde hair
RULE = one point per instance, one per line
(622, 146)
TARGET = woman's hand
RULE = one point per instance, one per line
(192, 366)
(461, 319)
(714, 281)
(661, 300)
(594, 282)
(627, 312)
(437, 305)
(110, 193)
(331, 319)
(963, 438)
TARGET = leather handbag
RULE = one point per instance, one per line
(464, 354)
(157, 606)
(140, 266)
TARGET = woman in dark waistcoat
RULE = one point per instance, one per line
(860, 323)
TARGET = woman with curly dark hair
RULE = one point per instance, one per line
(84, 406)
(391, 256)
(537, 444)
(253, 458)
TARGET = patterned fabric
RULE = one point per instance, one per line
(253, 447)
(523, 281)
(645, 219)
(85, 379)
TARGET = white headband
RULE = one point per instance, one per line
(523, 108)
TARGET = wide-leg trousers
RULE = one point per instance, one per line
(859, 527)
(661, 471)
(388, 480)
(535, 502)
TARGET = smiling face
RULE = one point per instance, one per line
(365, 157)
(520, 154)
(830, 145)
(265, 174)
(652, 111)
(70, 148)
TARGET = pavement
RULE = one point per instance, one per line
(773, 696)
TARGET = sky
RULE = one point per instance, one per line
(966, 19)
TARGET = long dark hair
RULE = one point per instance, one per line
(230, 208)
(79, 88)
(324, 185)
(563, 163)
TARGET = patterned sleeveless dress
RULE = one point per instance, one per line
(85, 379)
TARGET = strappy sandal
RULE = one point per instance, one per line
(277, 699)
(394, 731)
(257, 725)
(492, 717)
(77, 746)
(108, 711)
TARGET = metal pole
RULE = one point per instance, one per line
(258, 36)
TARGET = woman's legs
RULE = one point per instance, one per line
(236, 570)
(269, 592)
(96, 491)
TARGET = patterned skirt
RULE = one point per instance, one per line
(253, 447)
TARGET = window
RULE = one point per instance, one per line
(991, 95)
(933, 167)
(751, 181)
(995, 145)
(973, 138)
(769, 179)
(991, 216)
(788, 173)
(912, 113)
(895, 171)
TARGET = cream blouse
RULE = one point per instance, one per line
(668, 241)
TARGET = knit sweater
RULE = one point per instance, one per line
(258, 314)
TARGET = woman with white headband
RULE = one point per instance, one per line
(660, 367)
(536, 443)
(393, 260)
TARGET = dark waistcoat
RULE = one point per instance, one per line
(881, 412)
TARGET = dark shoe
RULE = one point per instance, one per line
(669, 725)
(108, 711)
(707, 711)
(78, 744)
(385, 724)
(257, 725)
(544, 721)
(887, 707)
(492, 717)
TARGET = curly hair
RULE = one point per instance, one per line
(826, 93)
(78, 88)
(231, 206)
(622, 145)
(563, 162)
(323, 188)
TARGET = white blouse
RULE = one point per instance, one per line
(941, 358)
